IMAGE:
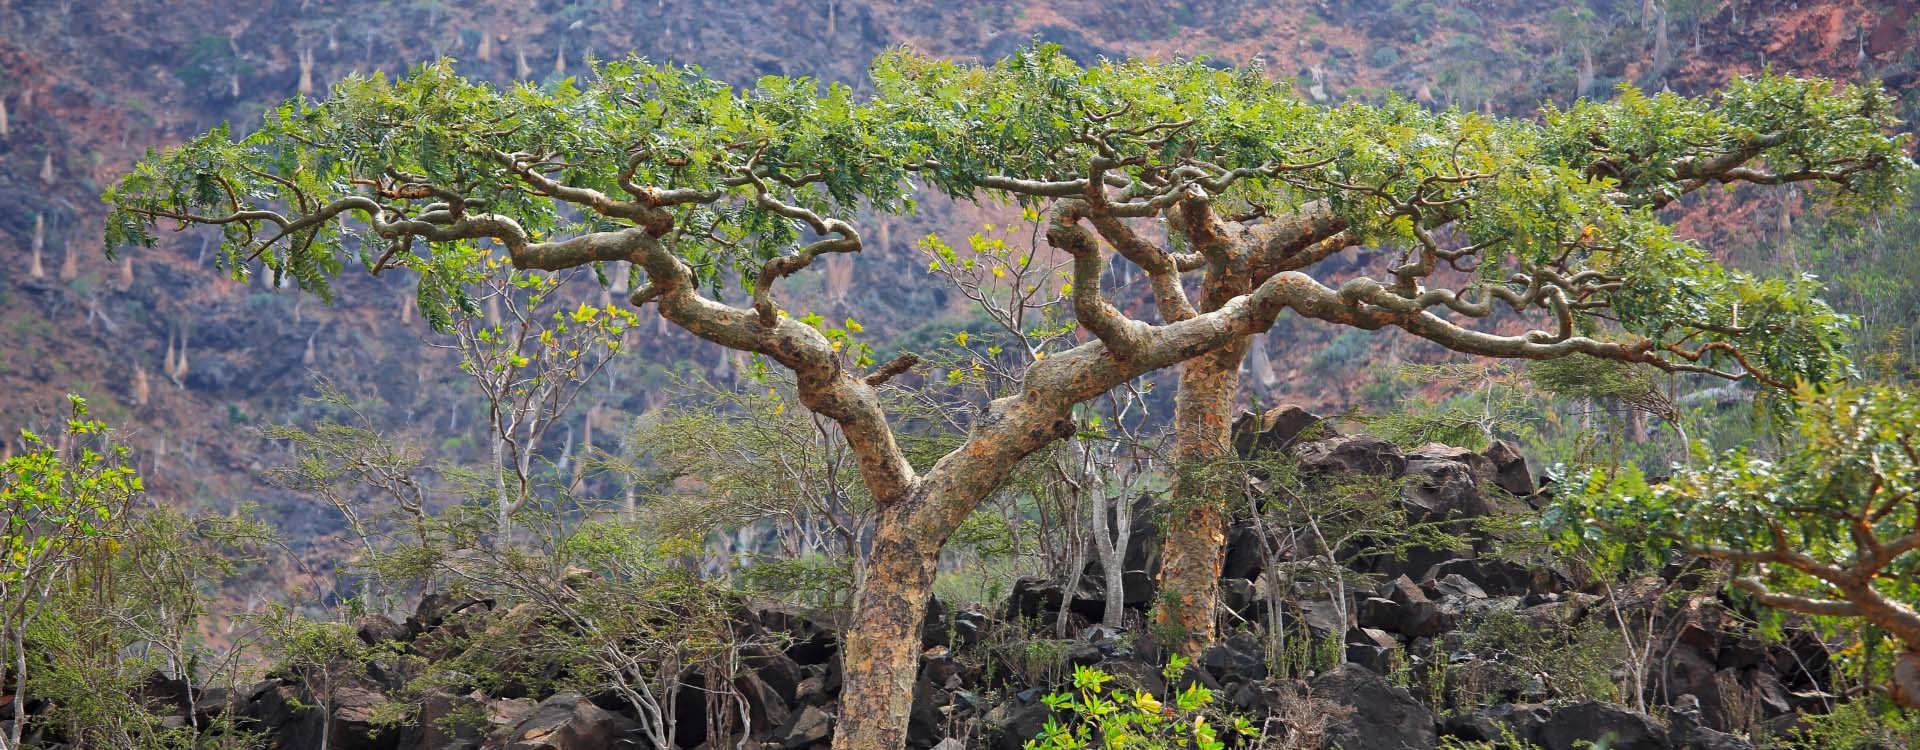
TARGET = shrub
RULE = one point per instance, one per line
(1137, 720)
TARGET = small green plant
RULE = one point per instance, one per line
(1507, 740)
(1571, 662)
(1858, 725)
(814, 580)
(1120, 720)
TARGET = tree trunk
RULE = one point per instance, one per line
(1904, 684)
(1197, 537)
(882, 650)
(1113, 542)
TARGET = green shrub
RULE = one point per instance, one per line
(1136, 720)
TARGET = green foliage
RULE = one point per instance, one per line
(631, 122)
(108, 594)
(1575, 661)
(1508, 740)
(811, 580)
(57, 501)
(417, 158)
(593, 607)
(1866, 259)
(723, 458)
(1866, 724)
(1489, 405)
(1855, 450)
(1650, 145)
(1829, 520)
(1101, 719)
(1580, 376)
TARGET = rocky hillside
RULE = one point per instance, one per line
(1477, 642)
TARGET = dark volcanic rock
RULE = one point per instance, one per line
(1031, 599)
(1278, 429)
(568, 721)
(1010, 724)
(1384, 717)
(1574, 726)
(1510, 470)
(374, 629)
(809, 726)
(1442, 487)
(1359, 454)
(1238, 659)
(439, 725)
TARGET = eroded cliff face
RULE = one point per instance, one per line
(187, 360)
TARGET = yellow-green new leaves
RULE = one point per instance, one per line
(1133, 720)
(53, 502)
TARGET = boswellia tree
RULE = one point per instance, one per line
(1251, 187)
(710, 196)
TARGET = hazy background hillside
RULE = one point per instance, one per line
(189, 365)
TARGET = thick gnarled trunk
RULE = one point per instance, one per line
(1196, 537)
(882, 648)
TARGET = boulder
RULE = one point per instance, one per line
(1493, 577)
(1442, 488)
(1455, 586)
(1384, 717)
(806, 728)
(1510, 470)
(780, 672)
(1377, 612)
(1239, 597)
(377, 629)
(164, 695)
(1686, 732)
(767, 709)
(1277, 429)
(1371, 648)
(1032, 599)
(1237, 660)
(926, 723)
(935, 627)
(1009, 725)
(1416, 615)
(446, 722)
(280, 711)
(968, 627)
(1592, 723)
(436, 607)
(1242, 558)
(1357, 454)
(355, 708)
(1496, 723)
(568, 721)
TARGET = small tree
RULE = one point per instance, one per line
(1829, 530)
(57, 505)
(709, 191)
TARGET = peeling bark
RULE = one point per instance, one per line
(882, 649)
(1196, 539)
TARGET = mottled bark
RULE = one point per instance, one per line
(1202, 422)
(1196, 536)
(882, 648)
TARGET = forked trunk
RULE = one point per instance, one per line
(1197, 537)
(882, 647)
